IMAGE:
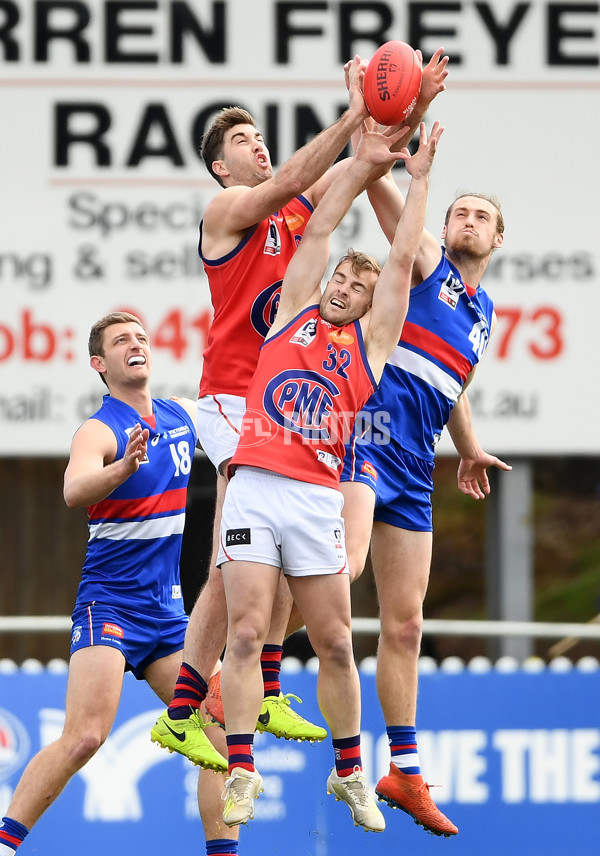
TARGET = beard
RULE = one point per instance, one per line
(469, 245)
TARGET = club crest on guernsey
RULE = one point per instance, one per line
(301, 402)
(264, 308)
(305, 334)
(450, 290)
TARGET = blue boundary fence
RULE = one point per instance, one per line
(517, 757)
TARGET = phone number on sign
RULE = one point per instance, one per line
(538, 331)
(32, 339)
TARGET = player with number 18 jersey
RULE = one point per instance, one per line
(135, 534)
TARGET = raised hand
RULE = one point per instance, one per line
(433, 80)
(375, 143)
(137, 448)
(419, 164)
(354, 73)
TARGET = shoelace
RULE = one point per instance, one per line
(237, 795)
(285, 700)
(198, 722)
(356, 784)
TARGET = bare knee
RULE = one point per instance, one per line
(403, 635)
(335, 651)
(82, 747)
(245, 641)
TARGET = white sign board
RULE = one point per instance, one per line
(103, 104)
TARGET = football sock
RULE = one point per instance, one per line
(403, 748)
(12, 835)
(270, 663)
(347, 755)
(240, 748)
(190, 691)
(222, 847)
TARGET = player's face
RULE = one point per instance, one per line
(127, 357)
(471, 228)
(246, 159)
(348, 295)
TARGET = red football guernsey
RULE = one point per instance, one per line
(244, 287)
(311, 380)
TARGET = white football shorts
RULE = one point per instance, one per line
(290, 524)
(219, 423)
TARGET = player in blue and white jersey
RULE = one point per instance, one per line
(388, 475)
(130, 465)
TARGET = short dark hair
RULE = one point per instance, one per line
(96, 338)
(211, 147)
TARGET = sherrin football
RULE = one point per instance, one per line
(392, 83)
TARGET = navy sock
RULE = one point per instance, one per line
(222, 847)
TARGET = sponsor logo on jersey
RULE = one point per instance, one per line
(341, 337)
(301, 402)
(294, 221)
(76, 635)
(237, 536)
(305, 334)
(264, 309)
(328, 459)
(176, 592)
(451, 290)
(112, 630)
(179, 431)
(369, 469)
(272, 245)
(14, 744)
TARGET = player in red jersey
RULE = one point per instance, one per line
(320, 361)
(248, 235)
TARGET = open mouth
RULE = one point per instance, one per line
(337, 303)
(137, 360)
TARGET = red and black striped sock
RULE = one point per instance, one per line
(347, 755)
(270, 663)
(240, 748)
(190, 692)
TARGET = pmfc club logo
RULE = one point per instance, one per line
(14, 744)
(301, 402)
(264, 309)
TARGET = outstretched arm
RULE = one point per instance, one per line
(384, 195)
(92, 473)
(390, 300)
(302, 281)
(433, 82)
(238, 208)
(472, 470)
